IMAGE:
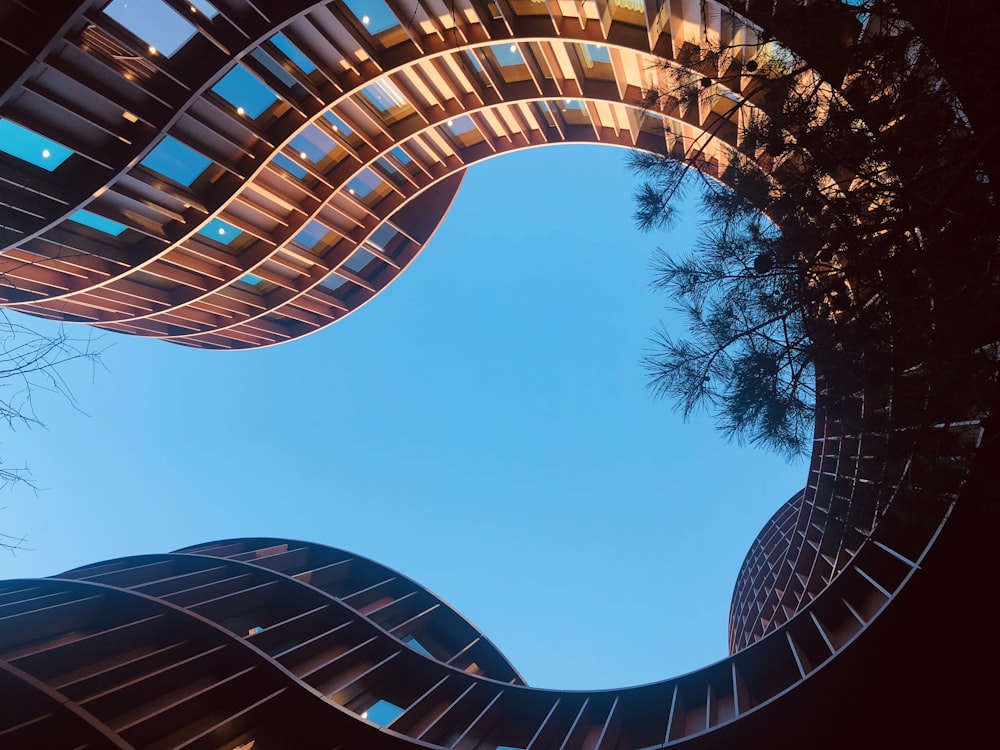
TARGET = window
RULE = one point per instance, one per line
(313, 145)
(358, 261)
(153, 21)
(293, 53)
(311, 234)
(461, 125)
(173, 159)
(296, 170)
(463, 131)
(507, 54)
(364, 184)
(574, 111)
(338, 124)
(374, 15)
(594, 53)
(247, 93)
(510, 61)
(31, 147)
(97, 222)
(220, 231)
(382, 713)
(386, 97)
(383, 236)
(417, 646)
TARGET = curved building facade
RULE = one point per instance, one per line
(238, 174)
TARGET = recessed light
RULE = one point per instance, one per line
(194, 9)
(365, 20)
(152, 50)
(336, 129)
(46, 153)
(240, 111)
(450, 123)
(222, 230)
(130, 117)
(350, 190)
(513, 48)
(303, 155)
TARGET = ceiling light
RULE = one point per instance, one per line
(303, 155)
(222, 230)
(513, 48)
(350, 190)
(130, 117)
(365, 20)
(450, 123)
(152, 50)
(46, 153)
(336, 129)
(240, 111)
(194, 9)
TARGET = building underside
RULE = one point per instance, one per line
(277, 170)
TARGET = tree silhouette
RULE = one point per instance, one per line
(851, 231)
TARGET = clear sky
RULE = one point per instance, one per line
(481, 426)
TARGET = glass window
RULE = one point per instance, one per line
(101, 224)
(594, 53)
(382, 713)
(359, 260)
(373, 14)
(204, 7)
(220, 231)
(417, 646)
(362, 185)
(173, 159)
(574, 111)
(338, 125)
(311, 234)
(274, 67)
(507, 54)
(296, 170)
(472, 58)
(154, 23)
(382, 236)
(314, 145)
(510, 61)
(404, 158)
(31, 147)
(338, 286)
(385, 95)
(293, 53)
(461, 125)
(247, 93)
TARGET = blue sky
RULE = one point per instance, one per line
(482, 426)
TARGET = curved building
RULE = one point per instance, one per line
(273, 165)
(235, 174)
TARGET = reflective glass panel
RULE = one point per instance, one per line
(359, 260)
(293, 53)
(31, 147)
(220, 231)
(374, 15)
(243, 89)
(173, 159)
(101, 224)
(154, 23)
